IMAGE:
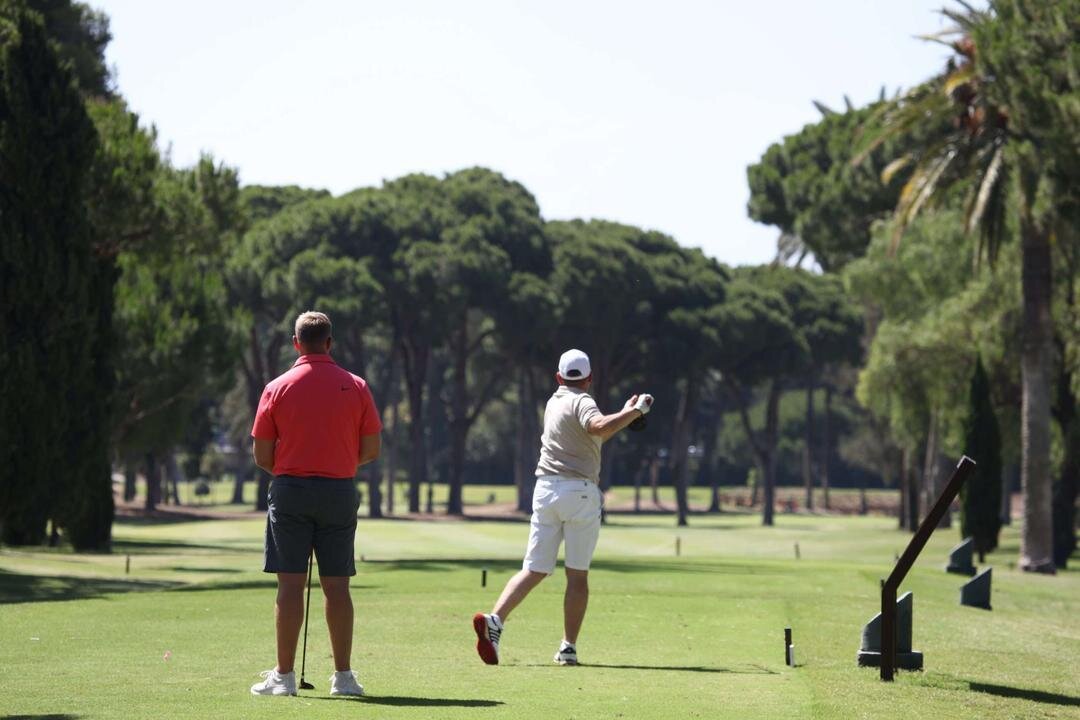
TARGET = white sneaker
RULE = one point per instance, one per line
(275, 683)
(567, 654)
(343, 682)
(488, 629)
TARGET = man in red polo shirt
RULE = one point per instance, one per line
(315, 425)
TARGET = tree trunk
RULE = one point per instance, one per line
(714, 500)
(526, 441)
(153, 482)
(459, 411)
(172, 485)
(129, 481)
(1006, 494)
(257, 373)
(1068, 484)
(808, 443)
(638, 477)
(902, 484)
(707, 472)
(654, 481)
(768, 461)
(913, 509)
(239, 472)
(262, 490)
(1036, 539)
(415, 361)
(929, 470)
(392, 455)
(680, 439)
(826, 446)
(1064, 500)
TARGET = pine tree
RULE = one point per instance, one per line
(48, 318)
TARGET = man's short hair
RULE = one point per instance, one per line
(312, 328)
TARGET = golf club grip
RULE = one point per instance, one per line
(638, 424)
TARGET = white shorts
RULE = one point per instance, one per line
(563, 508)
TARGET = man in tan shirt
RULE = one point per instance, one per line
(566, 504)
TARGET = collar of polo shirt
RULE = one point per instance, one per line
(313, 358)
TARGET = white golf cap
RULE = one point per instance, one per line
(574, 365)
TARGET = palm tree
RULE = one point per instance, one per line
(968, 136)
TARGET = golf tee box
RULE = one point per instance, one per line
(960, 558)
(870, 648)
(976, 591)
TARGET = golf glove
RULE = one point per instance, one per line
(644, 403)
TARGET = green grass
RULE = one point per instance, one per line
(699, 635)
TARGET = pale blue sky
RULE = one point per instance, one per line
(644, 113)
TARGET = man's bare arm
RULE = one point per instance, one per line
(263, 450)
(606, 426)
(370, 449)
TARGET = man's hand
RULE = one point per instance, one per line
(642, 403)
(629, 404)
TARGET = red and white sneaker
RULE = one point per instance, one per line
(488, 629)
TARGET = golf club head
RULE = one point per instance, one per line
(638, 424)
(305, 685)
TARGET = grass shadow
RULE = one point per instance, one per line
(158, 518)
(146, 547)
(267, 583)
(446, 564)
(750, 670)
(407, 701)
(19, 588)
(620, 566)
(48, 716)
(229, 571)
(678, 566)
(1038, 696)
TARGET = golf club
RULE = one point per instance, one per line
(304, 684)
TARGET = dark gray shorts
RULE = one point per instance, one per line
(311, 512)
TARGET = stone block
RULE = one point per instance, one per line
(960, 558)
(976, 591)
(870, 648)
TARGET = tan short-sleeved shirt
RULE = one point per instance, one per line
(566, 448)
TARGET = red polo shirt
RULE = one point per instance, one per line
(316, 412)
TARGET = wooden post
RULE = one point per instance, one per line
(918, 541)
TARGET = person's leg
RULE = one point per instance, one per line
(575, 602)
(517, 588)
(288, 617)
(545, 536)
(581, 507)
(336, 502)
(339, 619)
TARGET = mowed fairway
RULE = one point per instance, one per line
(699, 635)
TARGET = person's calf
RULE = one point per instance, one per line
(575, 602)
(516, 590)
(338, 607)
(288, 618)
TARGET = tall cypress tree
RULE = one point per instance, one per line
(48, 324)
(980, 516)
